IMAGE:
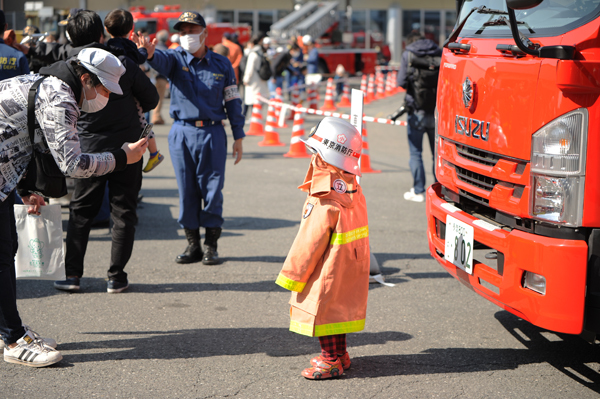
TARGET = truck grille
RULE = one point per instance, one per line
(475, 155)
(475, 179)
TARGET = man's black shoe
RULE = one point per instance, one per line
(211, 256)
(193, 252)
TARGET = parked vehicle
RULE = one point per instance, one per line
(516, 213)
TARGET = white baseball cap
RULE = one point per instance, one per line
(103, 64)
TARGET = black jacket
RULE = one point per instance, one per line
(119, 121)
(420, 48)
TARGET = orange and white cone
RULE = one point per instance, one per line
(345, 101)
(370, 89)
(380, 86)
(389, 85)
(363, 83)
(295, 101)
(256, 121)
(271, 134)
(297, 147)
(328, 105)
(279, 98)
(365, 158)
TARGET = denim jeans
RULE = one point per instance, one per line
(419, 124)
(10, 323)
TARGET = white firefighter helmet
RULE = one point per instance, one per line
(337, 142)
(307, 40)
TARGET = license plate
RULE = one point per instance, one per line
(459, 244)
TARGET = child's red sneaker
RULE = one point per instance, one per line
(345, 359)
(323, 369)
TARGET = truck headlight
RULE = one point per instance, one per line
(558, 153)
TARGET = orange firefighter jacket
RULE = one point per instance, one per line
(327, 267)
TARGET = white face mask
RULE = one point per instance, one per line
(191, 43)
(94, 105)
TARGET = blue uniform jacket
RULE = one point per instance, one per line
(199, 87)
(12, 62)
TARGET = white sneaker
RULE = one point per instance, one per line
(47, 341)
(31, 352)
(411, 196)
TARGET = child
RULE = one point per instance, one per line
(328, 264)
(119, 23)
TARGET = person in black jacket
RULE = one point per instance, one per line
(105, 130)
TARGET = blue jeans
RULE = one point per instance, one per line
(419, 124)
(10, 323)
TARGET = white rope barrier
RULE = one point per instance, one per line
(284, 107)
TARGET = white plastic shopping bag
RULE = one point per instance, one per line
(40, 255)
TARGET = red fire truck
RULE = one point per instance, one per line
(516, 213)
(165, 17)
(320, 21)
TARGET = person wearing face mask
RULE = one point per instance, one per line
(105, 124)
(70, 87)
(203, 87)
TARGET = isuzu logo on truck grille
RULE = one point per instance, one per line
(472, 127)
(467, 92)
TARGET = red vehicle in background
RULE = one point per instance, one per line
(516, 213)
(165, 17)
(320, 21)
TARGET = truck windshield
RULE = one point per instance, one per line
(551, 18)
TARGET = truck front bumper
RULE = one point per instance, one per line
(562, 262)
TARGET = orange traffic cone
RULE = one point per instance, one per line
(271, 133)
(295, 101)
(365, 158)
(297, 148)
(370, 90)
(256, 121)
(279, 98)
(398, 89)
(363, 83)
(345, 101)
(389, 85)
(380, 86)
(328, 104)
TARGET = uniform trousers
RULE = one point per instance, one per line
(123, 190)
(11, 327)
(198, 155)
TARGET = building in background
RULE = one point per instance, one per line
(389, 20)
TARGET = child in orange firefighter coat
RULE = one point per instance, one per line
(327, 267)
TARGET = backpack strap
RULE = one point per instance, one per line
(31, 111)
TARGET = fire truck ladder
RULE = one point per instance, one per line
(313, 18)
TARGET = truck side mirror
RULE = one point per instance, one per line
(523, 4)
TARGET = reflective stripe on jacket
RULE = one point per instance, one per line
(328, 264)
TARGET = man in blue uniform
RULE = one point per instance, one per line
(203, 87)
(12, 61)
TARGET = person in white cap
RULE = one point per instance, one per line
(68, 89)
(105, 130)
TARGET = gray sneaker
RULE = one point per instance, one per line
(31, 352)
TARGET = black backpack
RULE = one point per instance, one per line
(264, 68)
(423, 75)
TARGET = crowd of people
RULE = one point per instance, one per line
(91, 108)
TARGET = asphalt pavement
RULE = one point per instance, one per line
(193, 331)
